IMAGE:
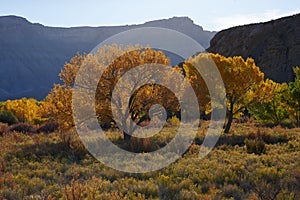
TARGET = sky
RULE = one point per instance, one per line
(211, 15)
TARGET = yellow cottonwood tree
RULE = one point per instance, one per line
(60, 98)
(242, 79)
(58, 103)
(144, 97)
(197, 83)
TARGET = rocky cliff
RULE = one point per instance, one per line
(31, 55)
(275, 45)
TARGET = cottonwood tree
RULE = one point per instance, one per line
(115, 61)
(293, 97)
(58, 103)
(198, 84)
(242, 80)
(145, 96)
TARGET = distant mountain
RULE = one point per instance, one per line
(275, 45)
(32, 55)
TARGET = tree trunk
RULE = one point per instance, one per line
(127, 137)
(230, 117)
(228, 125)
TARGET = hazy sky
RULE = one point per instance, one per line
(212, 14)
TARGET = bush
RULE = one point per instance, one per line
(8, 117)
(232, 191)
(3, 128)
(268, 138)
(256, 146)
(174, 121)
(267, 182)
(260, 135)
(255, 142)
(22, 128)
(139, 145)
(48, 127)
(73, 144)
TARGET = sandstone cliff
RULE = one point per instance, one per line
(275, 45)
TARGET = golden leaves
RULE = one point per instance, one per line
(26, 110)
(59, 101)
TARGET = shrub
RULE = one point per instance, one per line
(48, 127)
(73, 144)
(8, 117)
(255, 142)
(26, 110)
(22, 128)
(174, 121)
(268, 138)
(256, 146)
(3, 128)
(75, 190)
(232, 191)
(139, 145)
(294, 145)
(267, 181)
(260, 135)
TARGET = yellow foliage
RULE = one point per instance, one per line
(59, 101)
(242, 80)
(26, 110)
(58, 106)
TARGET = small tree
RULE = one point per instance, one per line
(293, 97)
(241, 78)
(272, 108)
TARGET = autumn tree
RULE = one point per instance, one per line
(198, 85)
(241, 78)
(116, 60)
(137, 109)
(272, 106)
(293, 97)
(58, 103)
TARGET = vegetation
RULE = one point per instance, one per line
(59, 99)
(26, 110)
(40, 167)
(293, 97)
(273, 108)
(241, 79)
(8, 117)
(43, 158)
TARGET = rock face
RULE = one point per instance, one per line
(274, 45)
(32, 55)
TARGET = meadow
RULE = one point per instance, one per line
(251, 162)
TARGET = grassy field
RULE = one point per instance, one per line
(249, 163)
